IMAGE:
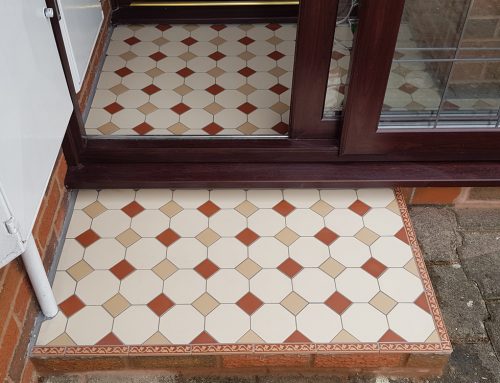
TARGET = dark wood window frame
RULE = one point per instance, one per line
(310, 157)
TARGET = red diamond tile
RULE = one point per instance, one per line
(87, 238)
(132, 40)
(276, 55)
(326, 236)
(391, 337)
(132, 209)
(71, 305)
(273, 26)
(209, 208)
(168, 237)
(213, 129)
(281, 128)
(402, 236)
(157, 56)
(337, 55)
(163, 27)
(189, 41)
(143, 128)
(249, 303)
(359, 207)
(113, 108)
(374, 267)
(247, 72)
(122, 72)
(297, 337)
(122, 269)
(284, 208)
(217, 56)
(204, 338)
(247, 237)
(185, 72)
(160, 305)
(206, 268)
(247, 108)
(278, 89)
(338, 303)
(218, 27)
(422, 302)
(110, 340)
(180, 108)
(450, 106)
(246, 40)
(290, 267)
(151, 89)
(408, 88)
(215, 89)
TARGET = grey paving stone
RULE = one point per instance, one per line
(476, 244)
(463, 308)
(436, 233)
(478, 219)
(485, 271)
(493, 325)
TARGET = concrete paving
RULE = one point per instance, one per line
(462, 251)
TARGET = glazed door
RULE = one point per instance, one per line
(425, 81)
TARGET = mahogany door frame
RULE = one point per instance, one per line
(370, 70)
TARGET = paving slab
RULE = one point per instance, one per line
(485, 271)
(461, 303)
(436, 233)
(475, 244)
(478, 219)
(493, 325)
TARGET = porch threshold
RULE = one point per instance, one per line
(243, 280)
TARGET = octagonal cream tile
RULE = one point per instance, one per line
(319, 323)
(314, 285)
(401, 285)
(97, 287)
(135, 325)
(186, 253)
(217, 286)
(411, 322)
(63, 286)
(357, 285)
(344, 222)
(350, 252)
(364, 322)
(309, 252)
(111, 223)
(141, 286)
(227, 223)
(268, 252)
(273, 323)
(189, 223)
(150, 223)
(146, 253)
(270, 286)
(184, 286)
(263, 198)
(391, 251)
(266, 222)
(383, 221)
(181, 324)
(89, 325)
(191, 199)
(227, 323)
(305, 222)
(72, 253)
(376, 197)
(227, 252)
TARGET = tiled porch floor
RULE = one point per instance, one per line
(330, 269)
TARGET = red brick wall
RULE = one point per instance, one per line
(18, 307)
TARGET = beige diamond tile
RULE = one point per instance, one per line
(183, 90)
(287, 236)
(246, 27)
(280, 108)
(246, 208)
(157, 339)
(246, 89)
(190, 27)
(294, 303)
(178, 128)
(275, 40)
(332, 267)
(116, 305)
(344, 337)
(322, 208)
(278, 71)
(80, 270)
(248, 268)
(366, 236)
(205, 304)
(208, 237)
(128, 237)
(246, 56)
(135, 27)
(160, 41)
(394, 207)
(108, 128)
(119, 89)
(187, 56)
(94, 209)
(216, 72)
(412, 267)
(164, 269)
(218, 40)
(154, 72)
(250, 338)
(62, 340)
(147, 108)
(383, 302)
(213, 108)
(127, 56)
(247, 128)
(170, 209)
(433, 338)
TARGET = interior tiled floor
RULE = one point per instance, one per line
(195, 80)
(184, 267)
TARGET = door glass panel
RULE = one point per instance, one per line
(195, 80)
(446, 67)
(347, 22)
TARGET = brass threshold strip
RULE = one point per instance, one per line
(211, 3)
